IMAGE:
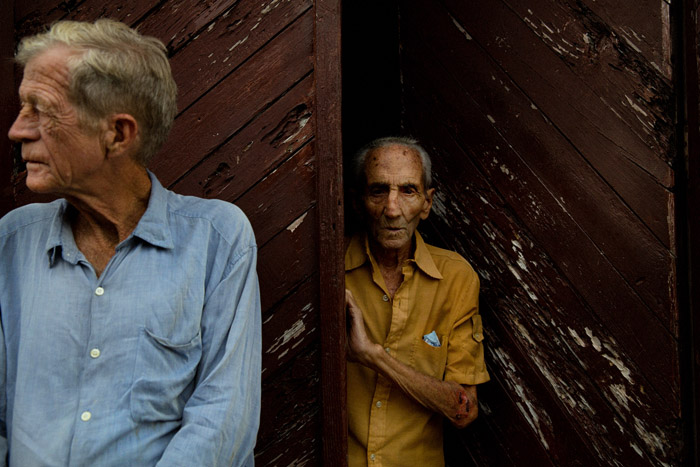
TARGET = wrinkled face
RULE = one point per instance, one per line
(395, 199)
(59, 152)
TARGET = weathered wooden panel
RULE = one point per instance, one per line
(225, 44)
(600, 108)
(290, 433)
(237, 100)
(552, 156)
(260, 147)
(290, 327)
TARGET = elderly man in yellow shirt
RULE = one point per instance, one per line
(415, 337)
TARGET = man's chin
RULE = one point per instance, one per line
(393, 242)
(40, 185)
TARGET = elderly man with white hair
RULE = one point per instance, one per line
(130, 315)
(415, 337)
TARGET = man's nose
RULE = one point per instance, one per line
(23, 129)
(392, 207)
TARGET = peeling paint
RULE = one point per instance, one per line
(269, 8)
(292, 333)
(636, 107)
(238, 43)
(626, 373)
(637, 450)
(594, 340)
(461, 29)
(576, 338)
(653, 441)
(620, 394)
(293, 226)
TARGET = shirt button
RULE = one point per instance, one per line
(372, 456)
(477, 335)
(379, 404)
(387, 349)
(385, 298)
(99, 291)
(94, 353)
(85, 416)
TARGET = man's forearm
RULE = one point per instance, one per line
(454, 401)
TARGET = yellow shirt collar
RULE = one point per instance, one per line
(358, 254)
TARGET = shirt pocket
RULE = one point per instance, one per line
(163, 377)
(428, 359)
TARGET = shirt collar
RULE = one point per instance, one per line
(152, 227)
(358, 253)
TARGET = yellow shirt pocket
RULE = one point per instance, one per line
(428, 358)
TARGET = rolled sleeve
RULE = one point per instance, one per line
(465, 354)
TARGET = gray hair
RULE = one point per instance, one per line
(360, 158)
(116, 70)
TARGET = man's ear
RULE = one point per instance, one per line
(427, 204)
(121, 136)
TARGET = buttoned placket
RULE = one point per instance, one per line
(94, 353)
(380, 401)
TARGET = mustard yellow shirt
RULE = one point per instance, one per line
(439, 299)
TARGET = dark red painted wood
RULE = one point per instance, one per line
(290, 431)
(571, 98)
(258, 149)
(237, 100)
(223, 45)
(8, 106)
(558, 194)
(330, 229)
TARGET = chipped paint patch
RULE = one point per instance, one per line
(461, 29)
(653, 441)
(523, 332)
(626, 373)
(292, 333)
(293, 226)
(620, 394)
(577, 338)
(594, 340)
(637, 450)
(238, 43)
(636, 107)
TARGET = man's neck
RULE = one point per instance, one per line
(390, 263)
(106, 216)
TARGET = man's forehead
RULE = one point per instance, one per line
(393, 164)
(47, 71)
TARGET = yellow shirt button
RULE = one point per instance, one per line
(94, 353)
(85, 416)
(99, 291)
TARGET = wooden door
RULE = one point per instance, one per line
(552, 126)
(252, 78)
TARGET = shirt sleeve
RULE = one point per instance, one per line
(465, 352)
(221, 418)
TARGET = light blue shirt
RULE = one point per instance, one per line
(156, 362)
